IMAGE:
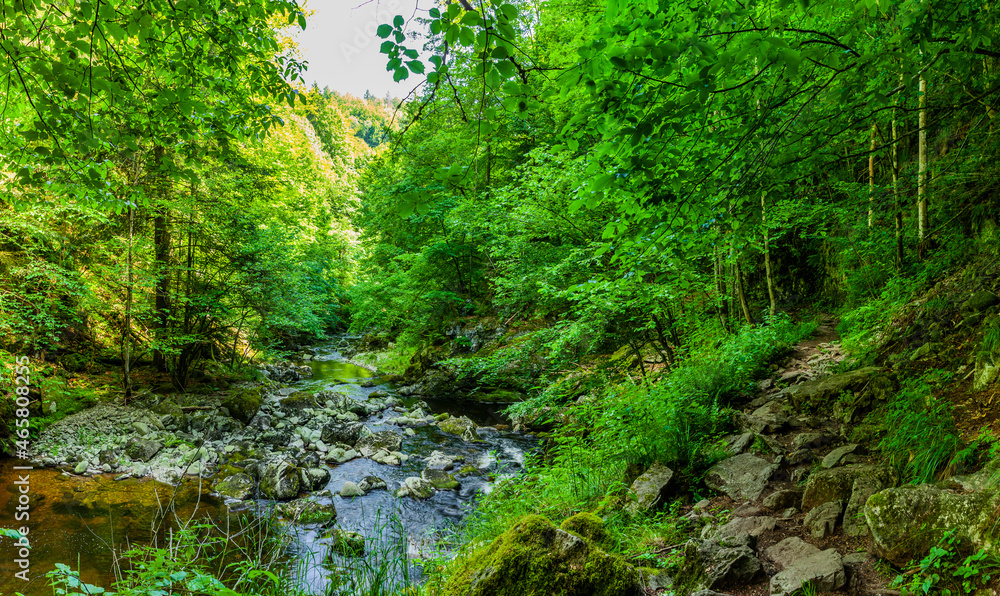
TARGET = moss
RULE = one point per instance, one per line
(243, 404)
(534, 558)
(299, 401)
(586, 525)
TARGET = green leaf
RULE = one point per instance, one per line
(398, 21)
(416, 66)
(302, 21)
(387, 47)
(383, 31)
(399, 74)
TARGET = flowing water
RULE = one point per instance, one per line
(76, 520)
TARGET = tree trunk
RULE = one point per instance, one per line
(923, 190)
(767, 255)
(127, 327)
(871, 179)
(895, 195)
(161, 242)
(740, 293)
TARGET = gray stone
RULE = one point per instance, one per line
(800, 456)
(351, 489)
(652, 489)
(864, 487)
(823, 572)
(782, 499)
(822, 520)
(810, 440)
(140, 428)
(736, 530)
(417, 488)
(239, 486)
(142, 450)
(837, 484)
(346, 433)
(440, 479)
(905, 521)
(437, 460)
(462, 426)
(80, 468)
(383, 439)
(835, 457)
(789, 550)
(743, 477)
(771, 417)
(279, 479)
(308, 511)
(370, 483)
(314, 478)
(707, 564)
(737, 444)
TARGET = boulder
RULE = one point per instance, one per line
(314, 478)
(822, 520)
(810, 440)
(239, 486)
(142, 450)
(838, 456)
(980, 302)
(737, 444)
(652, 489)
(462, 426)
(535, 557)
(837, 484)
(243, 404)
(586, 525)
(298, 401)
(370, 483)
(788, 551)
(736, 530)
(346, 433)
(906, 521)
(710, 565)
(279, 479)
(418, 488)
(743, 477)
(440, 479)
(171, 416)
(381, 440)
(782, 499)
(866, 386)
(822, 572)
(351, 489)
(771, 417)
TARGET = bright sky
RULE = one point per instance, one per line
(341, 47)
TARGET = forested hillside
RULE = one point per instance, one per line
(658, 297)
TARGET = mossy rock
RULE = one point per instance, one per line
(175, 416)
(905, 522)
(243, 404)
(300, 400)
(852, 392)
(238, 486)
(980, 301)
(534, 558)
(586, 525)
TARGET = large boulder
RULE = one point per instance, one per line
(461, 426)
(838, 484)
(308, 511)
(375, 442)
(743, 477)
(172, 417)
(142, 449)
(279, 479)
(652, 489)
(347, 433)
(709, 564)
(298, 401)
(906, 521)
(535, 557)
(822, 520)
(243, 404)
(866, 386)
(239, 486)
(822, 572)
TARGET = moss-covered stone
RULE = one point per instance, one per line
(299, 400)
(534, 558)
(865, 386)
(905, 522)
(171, 414)
(243, 404)
(586, 525)
(838, 484)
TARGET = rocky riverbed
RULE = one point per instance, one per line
(322, 441)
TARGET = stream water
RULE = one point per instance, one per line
(78, 520)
